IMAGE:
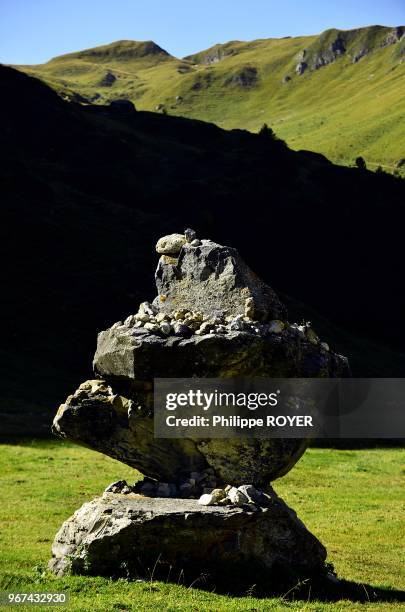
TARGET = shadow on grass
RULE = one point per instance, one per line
(324, 590)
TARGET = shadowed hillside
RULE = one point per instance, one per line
(339, 93)
(87, 190)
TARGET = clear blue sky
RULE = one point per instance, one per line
(33, 31)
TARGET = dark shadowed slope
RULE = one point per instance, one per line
(86, 192)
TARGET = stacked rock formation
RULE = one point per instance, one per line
(212, 317)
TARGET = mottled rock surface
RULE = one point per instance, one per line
(213, 278)
(130, 535)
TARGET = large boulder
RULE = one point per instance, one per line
(135, 536)
(211, 278)
(212, 318)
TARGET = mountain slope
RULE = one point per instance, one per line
(340, 93)
(87, 191)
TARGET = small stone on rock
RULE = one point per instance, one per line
(171, 244)
(218, 494)
(165, 328)
(206, 500)
(116, 487)
(152, 327)
(190, 235)
(252, 494)
(276, 326)
(182, 330)
(147, 308)
(237, 497)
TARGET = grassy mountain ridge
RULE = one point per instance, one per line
(340, 93)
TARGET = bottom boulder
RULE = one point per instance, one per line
(155, 538)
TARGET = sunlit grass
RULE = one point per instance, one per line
(352, 500)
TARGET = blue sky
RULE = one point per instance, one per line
(33, 31)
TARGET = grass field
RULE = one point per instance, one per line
(352, 500)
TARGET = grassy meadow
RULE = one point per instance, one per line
(353, 500)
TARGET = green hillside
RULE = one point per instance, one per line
(340, 93)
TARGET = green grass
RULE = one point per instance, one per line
(342, 110)
(352, 500)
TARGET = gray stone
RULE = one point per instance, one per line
(116, 487)
(190, 235)
(165, 328)
(180, 329)
(213, 278)
(301, 67)
(130, 321)
(108, 79)
(152, 327)
(251, 493)
(147, 309)
(237, 497)
(237, 325)
(125, 535)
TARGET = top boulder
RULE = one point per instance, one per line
(213, 279)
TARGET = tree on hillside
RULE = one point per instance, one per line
(360, 163)
(267, 133)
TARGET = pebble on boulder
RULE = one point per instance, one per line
(171, 244)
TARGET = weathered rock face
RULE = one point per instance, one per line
(245, 77)
(328, 56)
(301, 67)
(212, 278)
(130, 535)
